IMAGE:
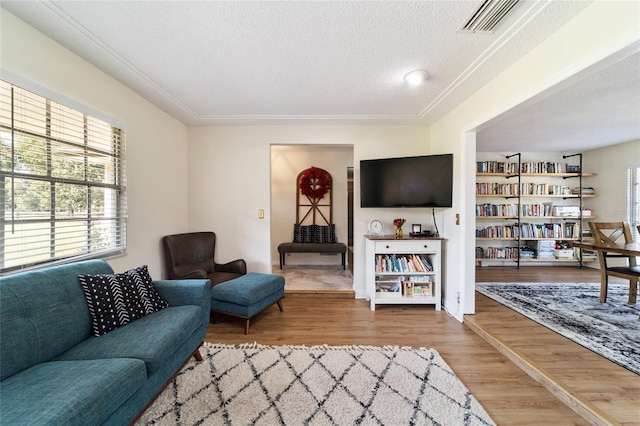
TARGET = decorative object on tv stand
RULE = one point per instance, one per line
(376, 227)
(398, 224)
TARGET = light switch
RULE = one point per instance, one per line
(260, 213)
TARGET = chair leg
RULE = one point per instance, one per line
(604, 286)
(633, 290)
(246, 326)
(280, 305)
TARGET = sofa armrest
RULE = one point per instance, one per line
(238, 266)
(186, 292)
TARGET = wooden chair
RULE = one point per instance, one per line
(615, 233)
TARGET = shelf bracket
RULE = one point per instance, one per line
(519, 175)
(580, 195)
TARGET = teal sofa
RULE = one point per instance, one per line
(54, 371)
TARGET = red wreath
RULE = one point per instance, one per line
(315, 183)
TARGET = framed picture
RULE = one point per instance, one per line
(416, 228)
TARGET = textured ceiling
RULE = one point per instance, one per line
(600, 109)
(294, 62)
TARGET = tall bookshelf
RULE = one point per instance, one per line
(528, 211)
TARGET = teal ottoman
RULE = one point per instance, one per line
(247, 296)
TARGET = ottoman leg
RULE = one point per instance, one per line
(280, 305)
(246, 326)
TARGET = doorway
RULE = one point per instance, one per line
(311, 272)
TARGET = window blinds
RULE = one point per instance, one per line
(62, 182)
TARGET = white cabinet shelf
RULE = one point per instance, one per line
(404, 271)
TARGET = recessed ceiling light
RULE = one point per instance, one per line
(416, 77)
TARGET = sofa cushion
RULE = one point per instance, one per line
(70, 393)
(153, 338)
(44, 313)
(248, 289)
(117, 299)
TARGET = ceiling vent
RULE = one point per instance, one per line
(489, 15)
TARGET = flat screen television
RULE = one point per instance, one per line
(421, 181)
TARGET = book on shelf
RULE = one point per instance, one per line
(403, 263)
(488, 209)
(586, 254)
(586, 190)
(529, 188)
(543, 167)
(546, 249)
(496, 167)
(549, 167)
(527, 253)
(497, 253)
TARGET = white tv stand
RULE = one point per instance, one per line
(391, 262)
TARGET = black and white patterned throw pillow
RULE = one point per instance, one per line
(115, 300)
(328, 234)
(316, 235)
(297, 238)
(151, 300)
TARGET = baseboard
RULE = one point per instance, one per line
(328, 294)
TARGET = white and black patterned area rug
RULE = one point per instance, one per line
(253, 384)
(610, 329)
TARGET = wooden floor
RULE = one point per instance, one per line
(602, 391)
(508, 394)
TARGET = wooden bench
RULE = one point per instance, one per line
(336, 248)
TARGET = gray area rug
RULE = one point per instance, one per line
(254, 384)
(573, 310)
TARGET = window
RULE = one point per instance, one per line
(62, 183)
(633, 199)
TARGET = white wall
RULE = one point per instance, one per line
(287, 161)
(582, 42)
(156, 143)
(230, 179)
(610, 164)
